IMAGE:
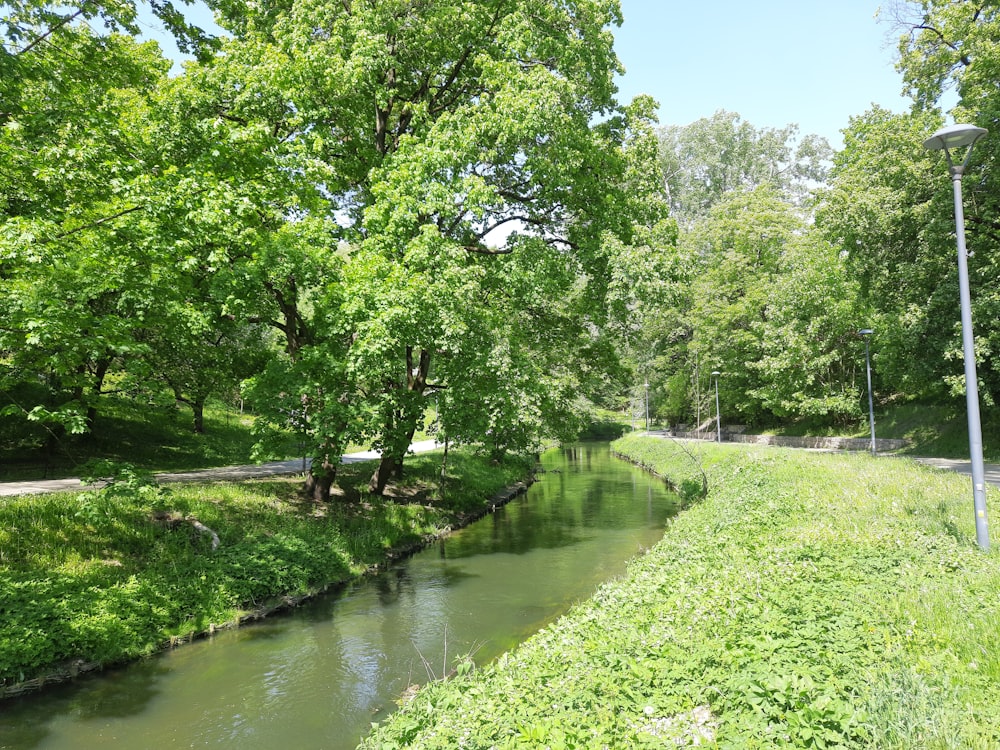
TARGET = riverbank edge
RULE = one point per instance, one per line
(69, 671)
(877, 570)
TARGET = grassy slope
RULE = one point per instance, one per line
(810, 600)
(157, 438)
(111, 575)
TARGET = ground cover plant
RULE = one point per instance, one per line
(105, 576)
(808, 600)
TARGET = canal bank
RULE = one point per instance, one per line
(96, 579)
(809, 600)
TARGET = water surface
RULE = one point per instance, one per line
(318, 676)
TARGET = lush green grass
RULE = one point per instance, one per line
(809, 600)
(110, 575)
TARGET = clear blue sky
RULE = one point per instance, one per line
(814, 63)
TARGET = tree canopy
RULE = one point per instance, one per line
(354, 208)
(351, 213)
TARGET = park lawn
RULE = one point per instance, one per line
(97, 578)
(807, 600)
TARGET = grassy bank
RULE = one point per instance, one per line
(108, 576)
(809, 600)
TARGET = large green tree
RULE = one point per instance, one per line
(951, 46)
(435, 128)
(74, 262)
(878, 212)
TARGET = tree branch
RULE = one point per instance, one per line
(963, 58)
(100, 221)
(53, 29)
(483, 250)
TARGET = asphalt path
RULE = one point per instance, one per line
(298, 466)
(991, 472)
(223, 474)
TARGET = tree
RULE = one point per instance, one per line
(75, 271)
(741, 252)
(878, 211)
(808, 361)
(948, 45)
(488, 116)
(650, 300)
(703, 161)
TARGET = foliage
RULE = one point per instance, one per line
(710, 157)
(792, 607)
(746, 287)
(877, 211)
(405, 199)
(891, 211)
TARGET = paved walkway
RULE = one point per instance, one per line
(962, 466)
(991, 472)
(298, 466)
(225, 473)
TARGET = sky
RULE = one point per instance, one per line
(814, 63)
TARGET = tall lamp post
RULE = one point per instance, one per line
(647, 405)
(718, 420)
(959, 137)
(865, 333)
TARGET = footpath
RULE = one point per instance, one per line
(222, 474)
(884, 448)
(300, 465)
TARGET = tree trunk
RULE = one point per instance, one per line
(380, 478)
(402, 424)
(320, 480)
(198, 407)
(100, 372)
(444, 468)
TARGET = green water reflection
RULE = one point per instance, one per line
(318, 677)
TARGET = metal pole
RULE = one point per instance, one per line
(647, 407)
(871, 408)
(971, 381)
(718, 419)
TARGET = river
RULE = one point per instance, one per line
(318, 676)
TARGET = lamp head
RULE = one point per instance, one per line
(954, 136)
(865, 332)
(716, 373)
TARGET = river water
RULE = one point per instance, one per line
(319, 676)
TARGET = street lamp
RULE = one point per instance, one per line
(957, 137)
(647, 406)
(865, 333)
(718, 422)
